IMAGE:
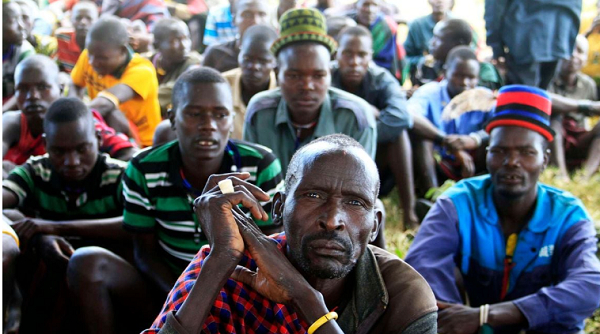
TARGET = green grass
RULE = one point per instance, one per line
(398, 239)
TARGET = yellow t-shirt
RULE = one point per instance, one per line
(143, 110)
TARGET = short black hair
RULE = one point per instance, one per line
(65, 110)
(40, 62)
(108, 29)
(259, 33)
(300, 44)
(459, 31)
(461, 53)
(165, 26)
(338, 141)
(199, 75)
(337, 23)
(358, 31)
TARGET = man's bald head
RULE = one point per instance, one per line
(39, 63)
(448, 34)
(331, 144)
(110, 30)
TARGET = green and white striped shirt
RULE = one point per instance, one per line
(156, 199)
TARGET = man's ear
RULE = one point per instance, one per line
(99, 137)
(278, 206)
(171, 116)
(377, 220)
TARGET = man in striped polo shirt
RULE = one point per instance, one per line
(73, 196)
(159, 188)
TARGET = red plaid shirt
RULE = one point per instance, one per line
(238, 308)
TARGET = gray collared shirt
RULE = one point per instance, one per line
(268, 123)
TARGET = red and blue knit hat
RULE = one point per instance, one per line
(523, 106)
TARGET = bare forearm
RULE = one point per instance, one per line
(215, 272)
(109, 228)
(424, 128)
(311, 306)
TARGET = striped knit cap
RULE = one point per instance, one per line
(303, 24)
(523, 106)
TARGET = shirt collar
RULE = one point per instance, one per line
(325, 124)
(538, 223)
(119, 71)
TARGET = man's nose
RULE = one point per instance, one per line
(72, 159)
(512, 158)
(207, 122)
(333, 217)
(33, 93)
(307, 83)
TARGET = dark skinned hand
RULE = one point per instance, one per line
(466, 162)
(54, 250)
(457, 319)
(459, 142)
(276, 278)
(214, 212)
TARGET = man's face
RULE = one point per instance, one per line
(249, 13)
(578, 58)
(329, 215)
(36, 88)
(256, 62)
(462, 75)
(72, 148)
(82, 18)
(176, 45)
(440, 6)
(104, 57)
(441, 42)
(203, 120)
(367, 11)
(27, 18)
(353, 56)
(13, 30)
(304, 78)
(516, 157)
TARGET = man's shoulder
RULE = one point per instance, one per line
(231, 75)
(248, 149)
(267, 100)
(410, 296)
(586, 80)
(422, 21)
(138, 63)
(469, 187)
(564, 204)
(380, 74)
(341, 100)
(153, 155)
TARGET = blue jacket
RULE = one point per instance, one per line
(555, 281)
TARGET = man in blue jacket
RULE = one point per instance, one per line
(525, 251)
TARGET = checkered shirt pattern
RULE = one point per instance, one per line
(238, 309)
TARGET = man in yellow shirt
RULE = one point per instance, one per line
(122, 85)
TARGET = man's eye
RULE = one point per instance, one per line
(355, 202)
(313, 195)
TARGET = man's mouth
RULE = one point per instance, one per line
(327, 247)
(510, 179)
(207, 143)
(34, 108)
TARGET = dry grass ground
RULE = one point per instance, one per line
(399, 240)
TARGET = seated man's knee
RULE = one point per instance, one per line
(10, 250)
(89, 265)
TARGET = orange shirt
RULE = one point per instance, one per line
(143, 110)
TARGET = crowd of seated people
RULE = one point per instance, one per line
(186, 166)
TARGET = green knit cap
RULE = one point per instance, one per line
(303, 24)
